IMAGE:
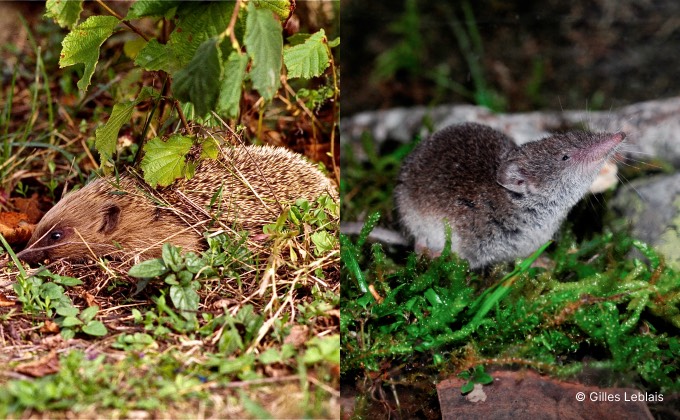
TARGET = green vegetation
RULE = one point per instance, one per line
(248, 328)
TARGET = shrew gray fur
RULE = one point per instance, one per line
(501, 200)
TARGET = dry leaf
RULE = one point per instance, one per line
(45, 366)
(5, 301)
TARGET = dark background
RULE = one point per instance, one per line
(529, 54)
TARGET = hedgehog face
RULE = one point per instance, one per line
(64, 233)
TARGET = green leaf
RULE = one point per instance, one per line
(142, 8)
(325, 349)
(264, 43)
(65, 12)
(185, 278)
(70, 321)
(67, 311)
(67, 334)
(199, 81)
(298, 38)
(309, 59)
(171, 279)
(197, 22)
(95, 328)
(89, 313)
(469, 386)
(172, 257)
(155, 56)
(194, 263)
(149, 268)
(67, 281)
(196, 25)
(232, 85)
(52, 291)
(210, 149)
(282, 8)
(81, 45)
(324, 242)
(271, 355)
(186, 300)
(164, 160)
(106, 136)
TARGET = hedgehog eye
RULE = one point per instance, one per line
(56, 235)
(565, 157)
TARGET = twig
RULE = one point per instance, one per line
(183, 118)
(232, 24)
(125, 22)
(336, 93)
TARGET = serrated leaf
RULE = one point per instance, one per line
(65, 12)
(309, 59)
(264, 42)
(197, 23)
(282, 8)
(95, 328)
(164, 161)
(232, 85)
(155, 56)
(148, 269)
(199, 81)
(142, 8)
(186, 300)
(81, 45)
(106, 136)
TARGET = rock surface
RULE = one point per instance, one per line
(652, 207)
(527, 395)
(653, 127)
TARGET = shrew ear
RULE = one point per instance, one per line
(512, 177)
(110, 218)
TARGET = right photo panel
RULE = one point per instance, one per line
(510, 206)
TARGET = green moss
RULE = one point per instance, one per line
(595, 306)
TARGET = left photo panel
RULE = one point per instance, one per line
(169, 209)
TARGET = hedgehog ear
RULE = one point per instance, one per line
(512, 177)
(110, 218)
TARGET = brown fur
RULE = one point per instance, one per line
(109, 217)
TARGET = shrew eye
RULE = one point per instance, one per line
(56, 235)
(565, 157)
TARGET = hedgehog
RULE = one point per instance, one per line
(246, 188)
